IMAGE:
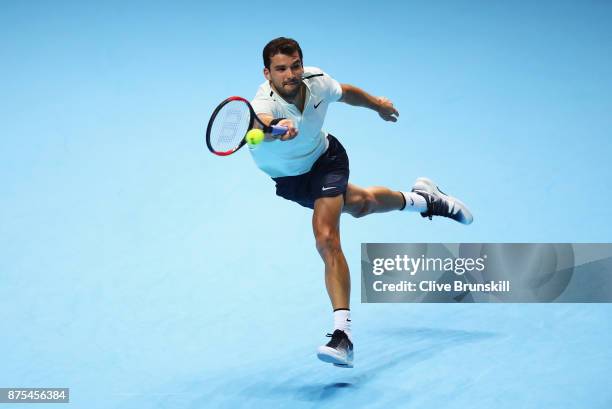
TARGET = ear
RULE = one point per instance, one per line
(266, 73)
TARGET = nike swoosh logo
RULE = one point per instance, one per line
(412, 200)
(327, 188)
(317, 105)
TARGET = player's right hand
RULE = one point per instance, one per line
(292, 131)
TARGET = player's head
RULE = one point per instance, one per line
(283, 66)
(280, 45)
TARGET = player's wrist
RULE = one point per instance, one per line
(379, 104)
(275, 121)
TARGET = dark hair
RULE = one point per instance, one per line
(280, 45)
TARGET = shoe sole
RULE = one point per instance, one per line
(429, 186)
(330, 355)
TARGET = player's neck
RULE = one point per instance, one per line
(300, 98)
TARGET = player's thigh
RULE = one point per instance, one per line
(326, 216)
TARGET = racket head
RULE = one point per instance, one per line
(228, 125)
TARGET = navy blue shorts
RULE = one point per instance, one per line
(328, 177)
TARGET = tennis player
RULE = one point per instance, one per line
(310, 167)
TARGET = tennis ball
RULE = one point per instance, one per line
(254, 136)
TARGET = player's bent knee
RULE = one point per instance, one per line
(365, 206)
(327, 240)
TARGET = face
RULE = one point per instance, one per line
(285, 74)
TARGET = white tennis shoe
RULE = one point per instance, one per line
(441, 204)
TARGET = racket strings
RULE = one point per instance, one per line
(229, 126)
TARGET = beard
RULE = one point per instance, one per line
(288, 94)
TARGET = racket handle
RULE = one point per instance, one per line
(278, 130)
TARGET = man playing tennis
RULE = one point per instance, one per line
(311, 168)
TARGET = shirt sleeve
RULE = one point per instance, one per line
(263, 105)
(333, 88)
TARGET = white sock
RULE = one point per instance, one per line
(342, 321)
(414, 202)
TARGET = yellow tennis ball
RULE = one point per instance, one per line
(254, 136)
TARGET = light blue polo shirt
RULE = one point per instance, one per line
(294, 157)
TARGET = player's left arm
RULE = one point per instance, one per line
(353, 95)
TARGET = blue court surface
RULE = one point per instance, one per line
(140, 271)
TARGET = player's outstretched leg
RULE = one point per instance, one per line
(441, 204)
(338, 351)
(425, 198)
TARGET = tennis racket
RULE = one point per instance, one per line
(230, 122)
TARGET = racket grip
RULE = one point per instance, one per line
(278, 130)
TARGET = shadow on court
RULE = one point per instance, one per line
(385, 363)
(387, 355)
